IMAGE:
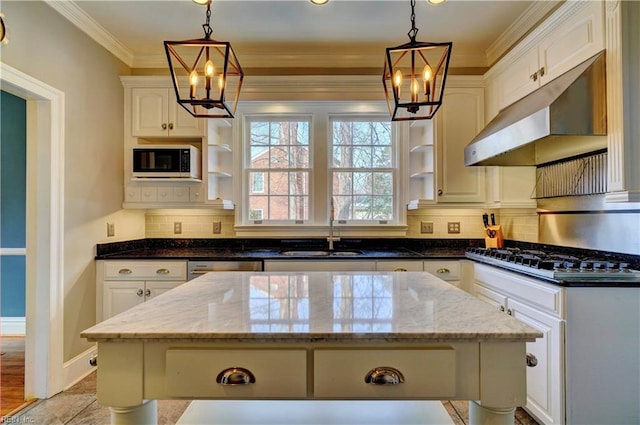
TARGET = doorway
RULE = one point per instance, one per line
(44, 231)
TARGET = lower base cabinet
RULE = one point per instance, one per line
(539, 305)
(122, 284)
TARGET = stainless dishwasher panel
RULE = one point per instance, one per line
(198, 268)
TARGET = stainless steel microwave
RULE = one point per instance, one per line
(167, 161)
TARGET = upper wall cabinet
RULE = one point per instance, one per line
(156, 113)
(460, 118)
(574, 33)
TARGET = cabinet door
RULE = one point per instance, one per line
(545, 384)
(489, 296)
(182, 123)
(575, 41)
(518, 80)
(149, 111)
(153, 289)
(460, 118)
(119, 296)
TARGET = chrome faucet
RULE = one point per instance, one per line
(331, 239)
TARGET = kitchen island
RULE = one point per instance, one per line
(312, 336)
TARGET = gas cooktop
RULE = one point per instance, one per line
(555, 266)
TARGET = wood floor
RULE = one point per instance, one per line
(78, 404)
(11, 373)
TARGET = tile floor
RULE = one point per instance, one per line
(78, 406)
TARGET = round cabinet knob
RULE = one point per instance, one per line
(140, 292)
(125, 271)
(236, 376)
(147, 293)
(93, 360)
(164, 126)
(510, 312)
(440, 192)
(162, 271)
(532, 361)
(501, 308)
(170, 126)
(384, 375)
(443, 271)
(534, 76)
(541, 72)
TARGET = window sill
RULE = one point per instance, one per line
(348, 231)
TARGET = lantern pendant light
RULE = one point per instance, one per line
(206, 73)
(414, 76)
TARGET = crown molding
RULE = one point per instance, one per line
(520, 28)
(78, 17)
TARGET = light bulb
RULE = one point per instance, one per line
(193, 83)
(209, 69)
(415, 87)
(427, 73)
(397, 79)
(221, 82)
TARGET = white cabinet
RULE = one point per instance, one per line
(122, 284)
(421, 162)
(459, 119)
(574, 33)
(156, 113)
(447, 270)
(541, 306)
(219, 153)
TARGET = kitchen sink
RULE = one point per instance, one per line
(321, 253)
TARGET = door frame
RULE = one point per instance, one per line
(44, 232)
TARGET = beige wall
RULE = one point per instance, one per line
(45, 46)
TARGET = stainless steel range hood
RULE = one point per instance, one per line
(551, 123)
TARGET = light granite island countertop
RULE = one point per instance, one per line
(309, 336)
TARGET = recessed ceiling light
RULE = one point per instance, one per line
(319, 2)
(436, 2)
(202, 1)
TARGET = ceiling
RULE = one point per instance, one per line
(298, 34)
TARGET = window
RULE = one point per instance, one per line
(278, 169)
(298, 156)
(362, 171)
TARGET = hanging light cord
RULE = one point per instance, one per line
(207, 28)
(414, 31)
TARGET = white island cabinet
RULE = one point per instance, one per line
(310, 336)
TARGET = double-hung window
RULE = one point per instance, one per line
(300, 157)
(278, 168)
(362, 169)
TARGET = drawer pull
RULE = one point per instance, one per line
(400, 269)
(384, 375)
(532, 361)
(93, 360)
(140, 292)
(162, 271)
(443, 270)
(235, 376)
(125, 271)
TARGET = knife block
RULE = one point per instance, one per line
(491, 239)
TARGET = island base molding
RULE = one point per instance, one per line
(144, 414)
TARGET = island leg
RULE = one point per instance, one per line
(144, 414)
(484, 415)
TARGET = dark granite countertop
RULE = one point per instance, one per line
(239, 250)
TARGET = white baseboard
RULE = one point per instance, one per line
(13, 326)
(77, 368)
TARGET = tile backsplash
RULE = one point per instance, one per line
(192, 223)
(517, 224)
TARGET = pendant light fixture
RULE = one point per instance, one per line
(206, 73)
(414, 76)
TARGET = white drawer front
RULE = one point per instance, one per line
(533, 292)
(428, 373)
(445, 270)
(145, 270)
(191, 373)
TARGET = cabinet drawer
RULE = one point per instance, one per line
(192, 373)
(533, 292)
(428, 373)
(145, 270)
(445, 270)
